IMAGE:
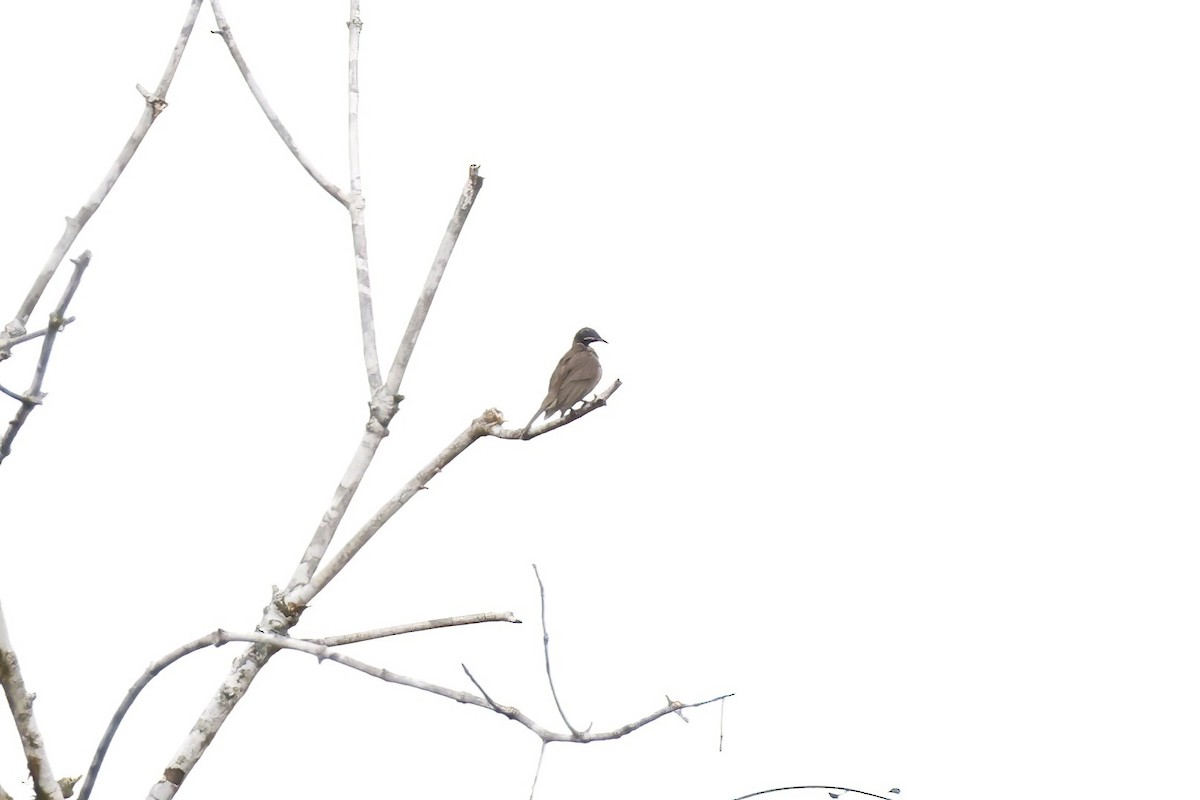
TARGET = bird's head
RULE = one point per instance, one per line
(587, 336)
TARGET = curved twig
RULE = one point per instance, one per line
(827, 788)
(211, 640)
(546, 649)
(227, 35)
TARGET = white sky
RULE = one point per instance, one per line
(904, 297)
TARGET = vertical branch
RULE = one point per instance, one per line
(154, 106)
(20, 703)
(33, 397)
(357, 208)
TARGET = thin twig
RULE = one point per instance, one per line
(827, 788)
(490, 701)
(357, 209)
(546, 649)
(20, 398)
(721, 728)
(427, 625)
(34, 395)
(599, 401)
(538, 771)
(25, 337)
(20, 704)
(227, 35)
(154, 106)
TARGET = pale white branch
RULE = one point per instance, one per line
(357, 209)
(427, 625)
(227, 35)
(20, 705)
(466, 202)
(478, 428)
(33, 396)
(75, 224)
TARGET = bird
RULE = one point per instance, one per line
(577, 373)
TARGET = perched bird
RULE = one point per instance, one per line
(577, 373)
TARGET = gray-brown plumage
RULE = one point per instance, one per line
(577, 373)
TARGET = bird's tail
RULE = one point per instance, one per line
(525, 433)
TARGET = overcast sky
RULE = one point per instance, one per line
(904, 300)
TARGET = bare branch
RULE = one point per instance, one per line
(283, 613)
(466, 202)
(20, 704)
(599, 401)
(546, 648)
(34, 395)
(357, 208)
(75, 224)
(478, 428)
(5, 795)
(224, 32)
(538, 770)
(427, 625)
(490, 701)
(265, 644)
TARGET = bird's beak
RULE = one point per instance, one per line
(603, 340)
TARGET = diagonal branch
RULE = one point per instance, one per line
(478, 428)
(227, 35)
(20, 704)
(34, 395)
(466, 202)
(154, 106)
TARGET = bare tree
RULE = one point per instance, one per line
(316, 567)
